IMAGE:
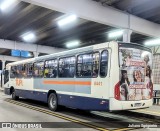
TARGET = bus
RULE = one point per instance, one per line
(110, 76)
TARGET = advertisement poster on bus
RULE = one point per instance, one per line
(135, 74)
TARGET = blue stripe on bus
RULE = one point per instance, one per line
(78, 102)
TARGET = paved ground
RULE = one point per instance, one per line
(13, 113)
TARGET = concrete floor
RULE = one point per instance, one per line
(13, 113)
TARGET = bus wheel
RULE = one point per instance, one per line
(53, 102)
(14, 97)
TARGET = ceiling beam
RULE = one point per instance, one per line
(146, 6)
(93, 11)
(8, 44)
(28, 22)
(11, 58)
(10, 22)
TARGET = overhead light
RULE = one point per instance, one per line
(116, 34)
(67, 20)
(6, 4)
(29, 37)
(72, 44)
(152, 42)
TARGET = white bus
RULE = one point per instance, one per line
(109, 76)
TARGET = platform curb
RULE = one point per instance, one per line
(142, 114)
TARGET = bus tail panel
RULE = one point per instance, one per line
(116, 105)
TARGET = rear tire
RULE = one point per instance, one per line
(14, 97)
(52, 102)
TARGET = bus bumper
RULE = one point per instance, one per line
(116, 105)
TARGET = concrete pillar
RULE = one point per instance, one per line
(3, 66)
(127, 35)
(35, 54)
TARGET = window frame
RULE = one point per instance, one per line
(100, 62)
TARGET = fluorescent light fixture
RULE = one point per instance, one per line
(29, 37)
(72, 44)
(67, 20)
(7, 4)
(152, 42)
(116, 34)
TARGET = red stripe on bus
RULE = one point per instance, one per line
(68, 82)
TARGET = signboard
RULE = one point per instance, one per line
(135, 74)
(25, 54)
(19, 53)
(15, 53)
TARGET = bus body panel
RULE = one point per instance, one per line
(64, 84)
(73, 101)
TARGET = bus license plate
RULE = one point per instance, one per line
(137, 104)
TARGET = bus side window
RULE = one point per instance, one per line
(19, 71)
(67, 67)
(35, 70)
(23, 72)
(84, 65)
(13, 72)
(95, 64)
(50, 70)
(79, 66)
(29, 70)
(104, 63)
(38, 69)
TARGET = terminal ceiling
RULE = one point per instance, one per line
(26, 17)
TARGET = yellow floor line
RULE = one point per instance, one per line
(71, 119)
(125, 129)
(57, 115)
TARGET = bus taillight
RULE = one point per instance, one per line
(117, 91)
(151, 93)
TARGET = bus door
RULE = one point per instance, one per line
(6, 76)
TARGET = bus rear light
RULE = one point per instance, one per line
(151, 93)
(117, 91)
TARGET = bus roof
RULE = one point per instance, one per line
(63, 53)
(68, 52)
